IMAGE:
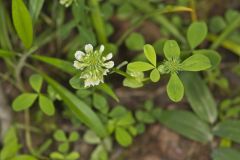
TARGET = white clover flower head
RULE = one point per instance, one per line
(93, 65)
(66, 3)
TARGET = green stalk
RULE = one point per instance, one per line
(230, 28)
(151, 15)
(97, 21)
(159, 19)
(193, 13)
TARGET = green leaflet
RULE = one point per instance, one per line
(22, 22)
(155, 75)
(123, 137)
(196, 62)
(196, 33)
(36, 81)
(175, 89)
(212, 55)
(135, 41)
(58, 63)
(46, 105)
(78, 107)
(186, 124)
(225, 154)
(4, 25)
(100, 103)
(139, 66)
(171, 49)
(149, 52)
(229, 129)
(23, 101)
(199, 96)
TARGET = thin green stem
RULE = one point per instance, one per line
(230, 28)
(193, 13)
(159, 19)
(150, 15)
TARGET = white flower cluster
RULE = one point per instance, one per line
(93, 65)
(66, 3)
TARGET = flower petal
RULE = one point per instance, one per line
(88, 48)
(101, 49)
(109, 64)
(79, 55)
(108, 57)
(78, 65)
(105, 72)
(91, 82)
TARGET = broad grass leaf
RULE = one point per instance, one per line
(229, 129)
(35, 9)
(80, 109)
(225, 154)
(6, 53)
(199, 97)
(63, 65)
(22, 22)
(186, 124)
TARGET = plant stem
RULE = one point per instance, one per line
(151, 15)
(193, 13)
(230, 28)
(97, 21)
(159, 19)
